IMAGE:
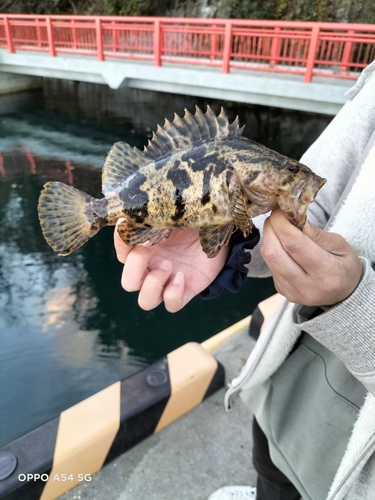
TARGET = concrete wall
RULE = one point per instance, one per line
(11, 82)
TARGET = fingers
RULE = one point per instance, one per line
(135, 268)
(155, 285)
(152, 289)
(279, 260)
(157, 288)
(331, 242)
(311, 267)
(306, 252)
(176, 296)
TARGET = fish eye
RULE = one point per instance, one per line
(292, 167)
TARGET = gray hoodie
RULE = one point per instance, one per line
(345, 155)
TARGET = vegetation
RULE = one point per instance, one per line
(362, 11)
(357, 11)
(98, 7)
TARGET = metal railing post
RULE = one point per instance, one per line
(114, 37)
(314, 40)
(69, 171)
(347, 52)
(39, 33)
(30, 159)
(214, 43)
(51, 40)
(157, 42)
(99, 38)
(8, 35)
(227, 47)
(275, 47)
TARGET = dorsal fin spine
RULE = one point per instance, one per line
(190, 130)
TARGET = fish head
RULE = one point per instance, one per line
(287, 184)
(302, 190)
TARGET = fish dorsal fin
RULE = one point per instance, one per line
(190, 130)
(122, 161)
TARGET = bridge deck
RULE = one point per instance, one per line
(322, 95)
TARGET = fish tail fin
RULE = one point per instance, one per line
(65, 217)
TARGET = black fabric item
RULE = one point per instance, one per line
(272, 484)
(234, 272)
(268, 490)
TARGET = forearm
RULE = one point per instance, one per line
(347, 329)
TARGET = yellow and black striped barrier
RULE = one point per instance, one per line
(53, 458)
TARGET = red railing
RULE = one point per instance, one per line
(309, 49)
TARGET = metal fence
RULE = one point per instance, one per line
(310, 49)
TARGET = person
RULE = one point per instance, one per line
(310, 379)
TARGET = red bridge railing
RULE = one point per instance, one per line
(310, 49)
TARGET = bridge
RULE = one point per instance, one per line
(295, 65)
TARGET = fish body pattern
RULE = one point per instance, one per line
(196, 172)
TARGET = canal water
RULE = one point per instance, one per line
(67, 328)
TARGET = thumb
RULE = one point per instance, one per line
(313, 231)
(327, 241)
(319, 236)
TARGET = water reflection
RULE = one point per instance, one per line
(49, 358)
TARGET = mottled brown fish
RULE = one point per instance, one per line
(197, 171)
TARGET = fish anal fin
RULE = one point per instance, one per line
(133, 234)
(214, 238)
(121, 162)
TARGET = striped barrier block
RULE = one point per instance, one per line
(53, 458)
(262, 313)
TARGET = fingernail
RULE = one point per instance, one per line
(146, 244)
(177, 280)
(165, 265)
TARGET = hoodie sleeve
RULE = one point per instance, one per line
(345, 332)
(334, 155)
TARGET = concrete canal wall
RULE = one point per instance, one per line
(11, 82)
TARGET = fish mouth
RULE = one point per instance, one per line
(296, 205)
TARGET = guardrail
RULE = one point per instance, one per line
(310, 49)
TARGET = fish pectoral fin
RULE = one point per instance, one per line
(240, 210)
(213, 238)
(133, 234)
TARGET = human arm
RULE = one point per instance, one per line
(317, 268)
(348, 328)
(334, 155)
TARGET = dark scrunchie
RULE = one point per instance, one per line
(234, 272)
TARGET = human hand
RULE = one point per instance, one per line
(310, 267)
(173, 271)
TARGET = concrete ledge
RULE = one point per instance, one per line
(326, 95)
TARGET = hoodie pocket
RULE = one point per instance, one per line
(308, 411)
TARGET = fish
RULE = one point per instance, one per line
(197, 171)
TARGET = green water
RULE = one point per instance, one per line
(67, 328)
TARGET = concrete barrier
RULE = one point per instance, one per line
(53, 458)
